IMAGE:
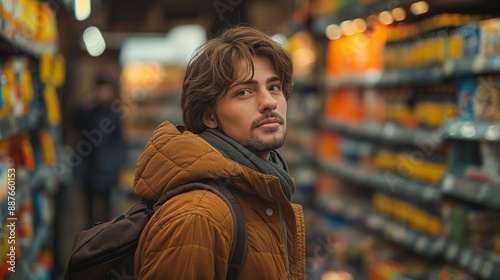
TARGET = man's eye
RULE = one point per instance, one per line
(243, 92)
(274, 88)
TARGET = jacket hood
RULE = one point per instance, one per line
(173, 157)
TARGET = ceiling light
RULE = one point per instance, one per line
(359, 25)
(385, 18)
(94, 42)
(398, 14)
(333, 32)
(346, 27)
(82, 9)
(419, 8)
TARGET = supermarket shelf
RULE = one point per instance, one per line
(480, 263)
(484, 193)
(417, 242)
(29, 257)
(15, 43)
(476, 261)
(471, 130)
(480, 64)
(468, 66)
(13, 125)
(387, 182)
(389, 132)
(375, 7)
(26, 184)
(420, 243)
(333, 205)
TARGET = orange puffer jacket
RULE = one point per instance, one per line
(190, 236)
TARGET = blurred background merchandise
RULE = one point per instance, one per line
(394, 123)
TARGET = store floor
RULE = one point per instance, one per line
(71, 217)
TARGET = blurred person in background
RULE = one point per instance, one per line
(102, 145)
(234, 103)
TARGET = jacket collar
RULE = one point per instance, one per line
(173, 157)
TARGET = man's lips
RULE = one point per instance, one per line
(269, 122)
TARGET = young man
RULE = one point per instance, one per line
(234, 102)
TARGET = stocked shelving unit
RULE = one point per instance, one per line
(418, 175)
(147, 105)
(30, 147)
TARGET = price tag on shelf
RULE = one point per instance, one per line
(389, 130)
(492, 133)
(422, 243)
(452, 251)
(465, 258)
(448, 67)
(438, 245)
(477, 264)
(478, 63)
(488, 268)
(448, 183)
(468, 131)
(374, 222)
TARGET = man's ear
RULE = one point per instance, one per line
(210, 119)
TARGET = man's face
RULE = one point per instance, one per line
(253, 110)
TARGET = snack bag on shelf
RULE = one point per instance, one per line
(487, 99)
(490, 36)
(47, 25)
(374, 106)
(27, 154)
(52, 105)
(470, 34)
(466, 89)
(47, 145)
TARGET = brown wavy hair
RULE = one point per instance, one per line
(212, 70)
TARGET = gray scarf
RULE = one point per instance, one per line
(231, 149)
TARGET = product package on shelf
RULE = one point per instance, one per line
(358, 52)
(490, 153)
(473, 226)
(487, 99)
(344, 105)
(466, 90)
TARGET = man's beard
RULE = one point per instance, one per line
(260, 145)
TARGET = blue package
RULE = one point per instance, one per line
(472, 37)
(466, 90)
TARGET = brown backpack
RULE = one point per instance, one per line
(106, 251)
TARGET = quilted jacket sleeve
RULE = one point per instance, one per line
(191, 242)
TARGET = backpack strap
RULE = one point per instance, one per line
(239, 246)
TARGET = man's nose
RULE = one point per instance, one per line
(267, 103)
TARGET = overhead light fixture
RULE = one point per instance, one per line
(398, 14)
(385, 17)
(82, 9)
(333, 32)
(94, 42)
(346, 27)
(419, 8)
(359, 25)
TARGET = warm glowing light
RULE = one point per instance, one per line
(333, 32)
(346, 27)
(82, 9)
(94, 42)
(385, 18)
(419, 8)
(304, 56)
(333, 275)
(398, 14)
(359, 25)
